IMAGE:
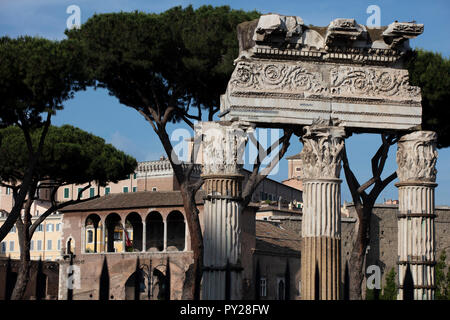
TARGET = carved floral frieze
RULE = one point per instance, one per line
(372, 82)
(277, 76)
(329, 81)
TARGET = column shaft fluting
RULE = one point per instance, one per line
(416, 158)
(321, 239)
(321, 218)
(222, 147)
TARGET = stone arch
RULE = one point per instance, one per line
(133, 230)
(93, 231)
(114, 233)
(154, 232)
(135, 285)
(176, 231)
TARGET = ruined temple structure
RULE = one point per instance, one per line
(325, 83)
(330, 82)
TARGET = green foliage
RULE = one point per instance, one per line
(69, 155)
(37, 75)
(431, 72)
(390, 289)
(370, 294)
(179, 58)
(442, 280)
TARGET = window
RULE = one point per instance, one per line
(125, 189)
(40, 228)
(59, 244)
(91, 192)
(50, 227)
(134, 189)
(58, 227)
(39, 245)
(107, 190)
(37, 213)
(154, 189)
(32, 245)
(49, 244)
(80, 192)
(13, 230)
(90, 236)
(66, 193)
(11, 246)
(263, 287)
(134, 176)
(3, 248)
(298, 169)
(117, 235)
(8, 191)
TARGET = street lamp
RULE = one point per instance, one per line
(148, 270)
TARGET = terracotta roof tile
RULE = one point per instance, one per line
(295, 156)
(133, 200)
(270, 237)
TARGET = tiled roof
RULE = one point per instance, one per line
(272, 238)
(295, 156)
(133, 200)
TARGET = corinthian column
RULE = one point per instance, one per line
(222, 149)
(416, 160)
(321, 222)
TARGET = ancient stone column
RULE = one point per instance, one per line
(144, 237)
(222, 149)
(416, 159)
(321, 221)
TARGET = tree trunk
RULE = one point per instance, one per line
(191, 287)
(358, 255)
(23, 276)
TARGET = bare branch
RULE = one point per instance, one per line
(167, 114)
(256, 177)
(56, 207)
(352, 182)
(150, 120)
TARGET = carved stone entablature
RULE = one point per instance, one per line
(407, 29)
(278, 29)
(416, 157)
(322, 151)
(345, 29)
(382, 83)
(223, 146)
(397, 32)
(307, 80)
(286, 37)
(277, 77)
(297, 92)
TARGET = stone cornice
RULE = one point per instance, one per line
(288, 37)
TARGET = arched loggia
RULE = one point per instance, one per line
(154, 232)
(133, 232)
(176, 231)
(93, 231)
(114, 233)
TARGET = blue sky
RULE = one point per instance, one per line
(101, 114)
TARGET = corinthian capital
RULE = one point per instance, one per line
(322, 151)
(416, 157)
(222, 146)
